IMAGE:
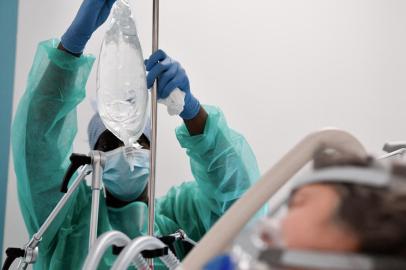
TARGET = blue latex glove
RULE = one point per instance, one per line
(222, 262)
(170, 76)
(91, 14)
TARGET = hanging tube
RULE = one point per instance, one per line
(231, 223)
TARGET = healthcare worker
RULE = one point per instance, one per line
(45, 125)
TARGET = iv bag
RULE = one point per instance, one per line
(122, 94)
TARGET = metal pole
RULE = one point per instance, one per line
(82, 174)
(98, 161)
(154, 114)
(31, 249)
(151, 184)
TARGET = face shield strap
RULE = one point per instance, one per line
(378, 176)
(374, 177)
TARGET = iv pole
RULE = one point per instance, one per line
(154, 98)
(93, 163)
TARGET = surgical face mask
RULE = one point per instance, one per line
(121, 181)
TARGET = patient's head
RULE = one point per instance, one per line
(345, 217)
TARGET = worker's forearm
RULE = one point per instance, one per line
(197, 124)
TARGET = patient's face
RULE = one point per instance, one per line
(310, 222)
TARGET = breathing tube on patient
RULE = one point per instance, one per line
(122, 94)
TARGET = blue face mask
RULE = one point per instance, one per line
(122, 182)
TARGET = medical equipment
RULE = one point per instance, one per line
(394, 150)
(122, 95)
(378, 176)
(393, 146)
(228, 226)
(137, 246)
(94, 164)
(181, 235)
(154, 119)
(132, 136)
(106, 240)
(119, 241)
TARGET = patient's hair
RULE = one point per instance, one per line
(376, 215)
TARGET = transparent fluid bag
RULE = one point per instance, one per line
(122, 94)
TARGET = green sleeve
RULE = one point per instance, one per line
(43, 130)
(224, 167)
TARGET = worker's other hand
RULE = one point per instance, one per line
(91, 14)
(171, 75)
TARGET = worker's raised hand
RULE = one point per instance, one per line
(171, 75)
(91, 14)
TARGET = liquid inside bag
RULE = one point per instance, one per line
(122, 94)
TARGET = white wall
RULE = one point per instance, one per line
(278, 69)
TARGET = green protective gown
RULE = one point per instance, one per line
(45, 125)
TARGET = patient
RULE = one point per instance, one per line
(346, 205)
